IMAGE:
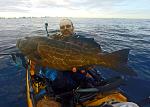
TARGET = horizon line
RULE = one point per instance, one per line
(3, 17)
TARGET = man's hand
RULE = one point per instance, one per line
(83, 71)
(74, 69)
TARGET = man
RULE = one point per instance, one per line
(66, 29)
(67, 81)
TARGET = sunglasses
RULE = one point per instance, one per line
(63, 27)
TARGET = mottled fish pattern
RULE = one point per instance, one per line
(64, 55)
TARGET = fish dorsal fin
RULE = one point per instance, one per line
(87, 44)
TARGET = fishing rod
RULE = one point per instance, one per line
(46, 26)
(5, 54)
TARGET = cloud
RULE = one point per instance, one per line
(96, 3)
(87, 8)
(50, 3)
(77, 4)
(15, 5)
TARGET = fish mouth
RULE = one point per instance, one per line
(21, 44)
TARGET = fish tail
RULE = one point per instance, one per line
(118, 61)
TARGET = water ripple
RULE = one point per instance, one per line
(111, 34)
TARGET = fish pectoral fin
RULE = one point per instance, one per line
(37, 56)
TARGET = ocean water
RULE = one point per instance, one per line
(111, 34)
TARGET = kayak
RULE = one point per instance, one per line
(95, 97)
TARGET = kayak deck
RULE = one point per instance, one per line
(99, 99)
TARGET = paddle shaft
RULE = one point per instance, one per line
(3, 54)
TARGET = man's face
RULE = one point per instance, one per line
(66, 27)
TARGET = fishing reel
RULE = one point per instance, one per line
(38, 82)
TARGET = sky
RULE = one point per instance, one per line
(138, 9)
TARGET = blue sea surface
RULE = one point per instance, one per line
(111, 34)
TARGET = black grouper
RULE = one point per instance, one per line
(64, 55)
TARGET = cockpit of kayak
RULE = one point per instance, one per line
(41, 94)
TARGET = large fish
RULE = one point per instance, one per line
(63, 55)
